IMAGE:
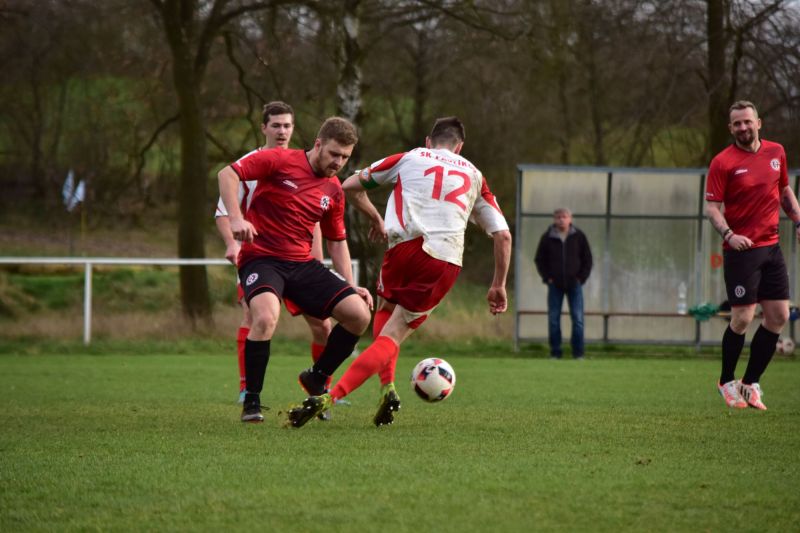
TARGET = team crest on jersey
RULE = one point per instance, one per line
(251, 279)
(325, 203)
(775, 164)
(738, 291)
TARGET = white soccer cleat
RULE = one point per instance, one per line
(730, 393)
(752, 395)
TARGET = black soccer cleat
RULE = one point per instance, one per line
(312, 406)
(315, 384)
(387, 406)
(251, 409)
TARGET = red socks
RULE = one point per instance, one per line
(240, 338)
(371, 361)
(316, 351)
(380, 320)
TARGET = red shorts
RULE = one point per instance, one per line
(413, 279)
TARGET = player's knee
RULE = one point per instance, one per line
(358, 321)
(320, 331)
(263, 325)
(776, 320)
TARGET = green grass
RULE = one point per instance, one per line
(153, 442)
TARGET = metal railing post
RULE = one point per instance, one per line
(87, 303)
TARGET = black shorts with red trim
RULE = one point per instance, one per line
(312, 287)
(756, 274)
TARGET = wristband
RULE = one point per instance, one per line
(728, 232)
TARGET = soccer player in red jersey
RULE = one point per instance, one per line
(435, 193)
(296, 190)
(751, 180)
(277, 126)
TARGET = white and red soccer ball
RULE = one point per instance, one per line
(433, 379)
(785, 346)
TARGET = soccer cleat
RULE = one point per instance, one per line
(315, 384)
(312, 406)
(251, 410)
(387, 405)
(752, 395)
(730, 393)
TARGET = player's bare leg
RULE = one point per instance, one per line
(264, 311)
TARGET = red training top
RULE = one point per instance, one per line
(288, 201)
(749, 185)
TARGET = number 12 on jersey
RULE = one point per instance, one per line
(438, 182)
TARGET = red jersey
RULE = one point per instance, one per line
(749, 185)
(288, 201)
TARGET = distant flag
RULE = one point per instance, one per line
(71, 194)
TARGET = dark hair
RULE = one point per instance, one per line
(447, 130)
(338, 129)
(276, 108)
(743, 104)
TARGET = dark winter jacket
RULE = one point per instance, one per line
(565, 262)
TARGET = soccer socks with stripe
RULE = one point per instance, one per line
(341, 344)
(762, 348)
(732, 344)
(241, 336)
(384, 350)
(379, 320)
(256, 358)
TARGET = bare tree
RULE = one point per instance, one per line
(190, 28)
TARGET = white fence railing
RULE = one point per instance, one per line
(89, 262)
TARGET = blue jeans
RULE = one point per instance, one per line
(555, 300)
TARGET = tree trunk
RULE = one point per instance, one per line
(192, 214)
(718, 137)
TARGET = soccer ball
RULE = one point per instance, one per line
(785, 346)
(433, 379)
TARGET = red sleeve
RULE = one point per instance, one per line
(332, 223)
(487, 195)
(716, 181)
(256, 165)
(783, 182)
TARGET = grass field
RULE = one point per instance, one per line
(153, 442)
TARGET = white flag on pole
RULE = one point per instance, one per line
(72, 195)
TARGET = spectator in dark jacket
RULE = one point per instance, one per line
(564, 261)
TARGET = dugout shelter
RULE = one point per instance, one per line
(649, 239)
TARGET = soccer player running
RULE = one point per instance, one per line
(296, 190)
(436, 191)
(277, 126)
(751, 180)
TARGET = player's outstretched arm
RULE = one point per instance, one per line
(791, 208)
(357, 195)
(498, 300)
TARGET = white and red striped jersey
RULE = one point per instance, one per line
(436, 192)
(246, 190)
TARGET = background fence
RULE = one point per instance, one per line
(89, 262)
(650, 240)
